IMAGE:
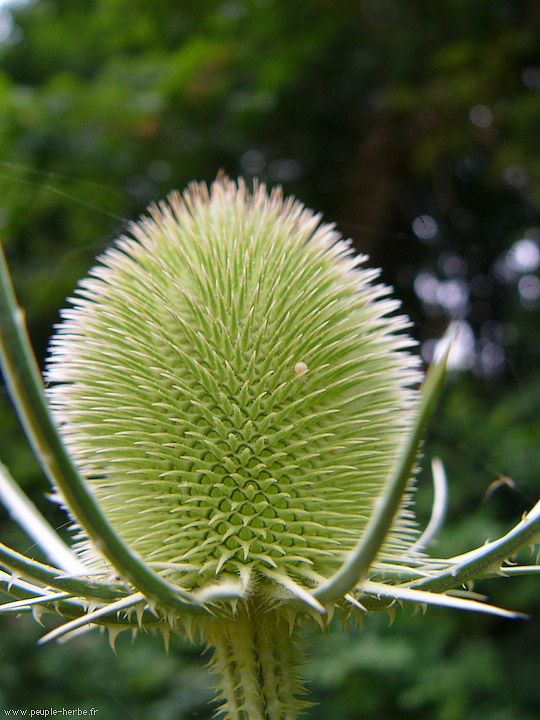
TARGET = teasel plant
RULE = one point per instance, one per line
(232, 420)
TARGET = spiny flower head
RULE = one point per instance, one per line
(238, 399)
(235, 387)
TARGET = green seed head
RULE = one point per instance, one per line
(234, 387)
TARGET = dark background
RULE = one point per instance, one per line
(415, 126)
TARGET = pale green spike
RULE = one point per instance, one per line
(38, 600)
(75, 633)
(407, 594)
(221, 591)
(391, 612)
(166, 634)
(37, 613)
(351, 599)
(91, 617)
(297, 590)
(112, 633)
(13, 580)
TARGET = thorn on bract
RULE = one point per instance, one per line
(113, 633)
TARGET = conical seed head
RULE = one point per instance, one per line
(235, 388)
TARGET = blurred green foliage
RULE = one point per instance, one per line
(415, 127)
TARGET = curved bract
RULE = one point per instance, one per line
(234, 428)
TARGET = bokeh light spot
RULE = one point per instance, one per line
(515, 175)
(426, 287)
(453, 296)
(425, 227)
(252, 162)
(524, 256)
(481, 116)
(529, 287)
(531, 77)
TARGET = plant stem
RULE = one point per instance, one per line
(256, 658)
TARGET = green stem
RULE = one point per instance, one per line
(49, 576)
(486, 558)
(256, 659)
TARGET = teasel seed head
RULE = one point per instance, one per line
(234, 386)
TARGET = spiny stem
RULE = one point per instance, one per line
(51, 577)
(256, 659)
(477, 562)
